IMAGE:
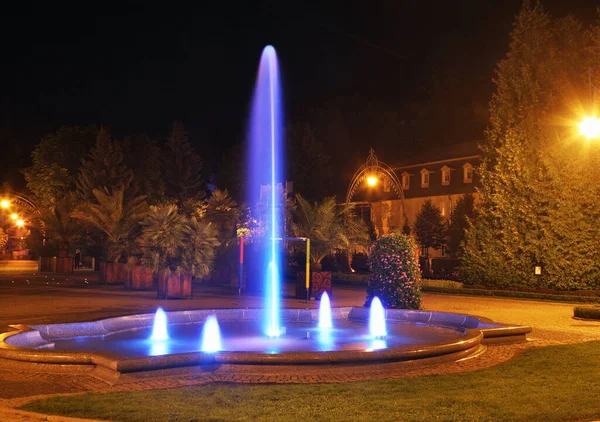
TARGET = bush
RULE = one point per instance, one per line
(395, 274)
(445, 284)
(587, 312)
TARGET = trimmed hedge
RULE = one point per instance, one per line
(512, 294)
(587, 312)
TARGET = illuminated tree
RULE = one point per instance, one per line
(539, 180)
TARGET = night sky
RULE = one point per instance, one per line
(136, 68)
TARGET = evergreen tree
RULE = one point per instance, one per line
(429, 226)
(308, 164)
(463, 214)
(183, 167)
(105, 168)
(143, 156)
(537, 186)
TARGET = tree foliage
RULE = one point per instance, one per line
(539, 179)
(463, 214)
(330, 227)
(308, 163)
(429, 226)
(183, 167)
(174, 242)
(105, 168)
(55, 163)
(115, 216)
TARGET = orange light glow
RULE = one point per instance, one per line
(371, 180)
(14, 216)
(20, 223)
(5, 203)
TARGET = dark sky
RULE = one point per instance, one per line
(136, 67)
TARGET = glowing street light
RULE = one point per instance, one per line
(371, 180)
(20, 223)
(5, 203)
(590, 127)
(14, 216)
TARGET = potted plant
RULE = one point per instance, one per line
(118, 219)
(177, 248)
(331, 228)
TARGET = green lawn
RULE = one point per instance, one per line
(552, 383)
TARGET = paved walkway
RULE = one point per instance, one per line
(37, 299)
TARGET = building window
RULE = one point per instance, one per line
(444, 250)
(424, 178)
(468, 173)
(405, 181)
(445, 176)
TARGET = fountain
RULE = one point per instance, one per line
(159, 330)
(211, 335)
(131, 344)
(325, 321)
(377, 328)
(265, 163)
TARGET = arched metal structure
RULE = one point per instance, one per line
(375, 168)
(27, 203)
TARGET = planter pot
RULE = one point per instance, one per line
(116, 273)
(320, 281)
(142, 278)
(174, 285)
(47, 264)
(64, 265)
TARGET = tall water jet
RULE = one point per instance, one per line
(159, 329)
(325, 320)
(377, 328)
(211, 335)
(265, 164)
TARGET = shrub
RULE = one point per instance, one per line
(395, 275)
(446, 284)
(587, 312)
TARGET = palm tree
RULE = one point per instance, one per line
(330, 228)
(116, 218)
(61, 227)
(173, 243)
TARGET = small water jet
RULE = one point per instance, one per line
(325, 320)
(211, 335)
(159, 329)
(377, 328)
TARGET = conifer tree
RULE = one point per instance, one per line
(183, 167)
(105, 168)
(429, 226)
(535, 200)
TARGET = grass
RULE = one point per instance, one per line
(547, 384)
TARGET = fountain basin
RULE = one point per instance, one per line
(38, 343)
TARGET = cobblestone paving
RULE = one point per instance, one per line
(76, 300)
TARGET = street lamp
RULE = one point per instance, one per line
(5, 203)
(20, 223)
(372, 180)
(590, 127)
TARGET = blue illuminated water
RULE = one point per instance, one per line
(211, 335)
(325, 320)
(377, 327)
(159, 329)
(265, 174)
